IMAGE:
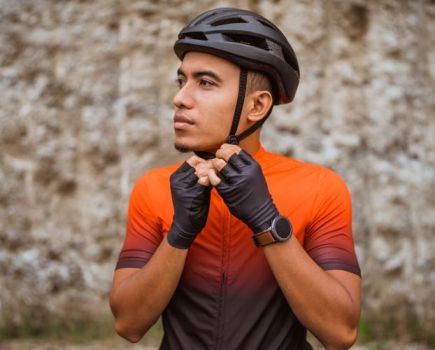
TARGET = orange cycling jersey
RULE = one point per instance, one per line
(227, 297)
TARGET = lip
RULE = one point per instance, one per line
(181, 121)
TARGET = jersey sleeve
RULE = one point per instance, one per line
(328, 239)
(144, 228)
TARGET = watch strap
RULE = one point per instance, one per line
(263, 238)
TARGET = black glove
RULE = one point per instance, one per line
(245, 192)
(191, 202)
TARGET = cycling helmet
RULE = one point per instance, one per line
(251, 42)
(247, 39)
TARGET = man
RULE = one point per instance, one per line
(237, 248)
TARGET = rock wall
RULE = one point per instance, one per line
(85, 109)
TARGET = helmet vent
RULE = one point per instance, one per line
(197, 36)
(292, 61)
(247, 40)
(229, 20)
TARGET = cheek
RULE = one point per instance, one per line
(218, 110)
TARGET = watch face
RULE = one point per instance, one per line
(283, 228)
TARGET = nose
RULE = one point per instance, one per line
(183, 98)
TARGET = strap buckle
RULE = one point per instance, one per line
(233, 140)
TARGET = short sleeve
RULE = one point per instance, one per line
(144, 228)
(328, 237)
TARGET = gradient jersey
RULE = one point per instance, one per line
(227, 297)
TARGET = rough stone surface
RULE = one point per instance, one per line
(85, 109)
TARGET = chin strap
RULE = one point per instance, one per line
(205, 155)
(233, 138)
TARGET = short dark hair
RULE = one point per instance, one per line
(258, 81)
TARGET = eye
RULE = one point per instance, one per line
(206, 83)
(179, 82)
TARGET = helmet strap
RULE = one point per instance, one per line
(205, 155)
(254, 127)
(233, 138)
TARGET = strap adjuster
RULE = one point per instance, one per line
(233, 140)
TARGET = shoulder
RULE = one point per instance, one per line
(327, 184)
(151, 194)
(331, 182)
(315, 184)
(332, 197)
(154, 182)
(157, 177)
(328, 177)
(309, 173)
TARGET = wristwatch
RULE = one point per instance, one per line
(280, 231)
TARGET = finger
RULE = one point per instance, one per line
(203, 168)
(190, 178)
(204, 180)
(235, 148)
(226, 151)
(227, 171)
(236, 162)
(204, 165)
(218, 164)
(200, 172)
(213, 177)
(185, 167)
(194, 161)
(245, 157)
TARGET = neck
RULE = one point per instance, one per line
(252, 143)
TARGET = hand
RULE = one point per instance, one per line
(202, 170)
(243, 187)
(191, 200)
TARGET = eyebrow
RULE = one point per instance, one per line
(201, 73)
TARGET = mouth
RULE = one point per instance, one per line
(182, 122)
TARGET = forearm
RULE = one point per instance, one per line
(322, 303)
(138, 299)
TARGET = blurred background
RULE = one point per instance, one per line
(85, 109)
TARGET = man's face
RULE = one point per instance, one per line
(205, 102)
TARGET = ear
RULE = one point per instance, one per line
(259, 104)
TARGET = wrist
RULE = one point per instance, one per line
(263, 227)
(268, 216)
(279, 231)
(177, 238)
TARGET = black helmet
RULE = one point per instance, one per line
(248, 40)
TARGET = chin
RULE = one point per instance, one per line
(182, 148)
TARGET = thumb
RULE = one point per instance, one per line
(194, 161)
(213, 177)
